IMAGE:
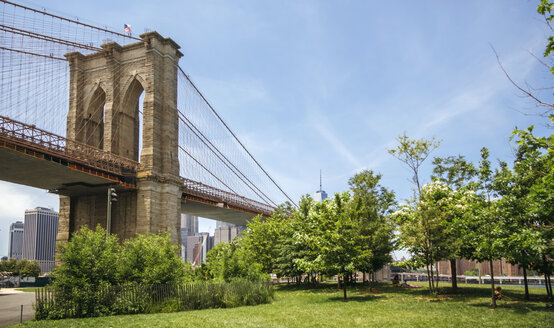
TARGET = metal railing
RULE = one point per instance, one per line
(31, 137)
(204, 191)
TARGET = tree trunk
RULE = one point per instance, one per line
(429, 278)
(548, 285)
(338, 282)
(371, 276)
(438, 279)
(526, 297)
(344, 289)
(492, 283)
(454, 275)
(432, 279)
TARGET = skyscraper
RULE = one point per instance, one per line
(189, 224)
(15, 246)
(39, 237)
(189, 227)
(197, 247)
(320, 195)
(226, 232)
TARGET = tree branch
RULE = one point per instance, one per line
(524, 91)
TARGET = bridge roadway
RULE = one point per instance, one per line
(37, 158)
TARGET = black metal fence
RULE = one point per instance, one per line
(52, 303)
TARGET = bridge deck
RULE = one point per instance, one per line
(37, 158)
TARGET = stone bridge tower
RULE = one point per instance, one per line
(105, 89)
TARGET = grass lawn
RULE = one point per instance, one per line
(323, 307)
(27, 289)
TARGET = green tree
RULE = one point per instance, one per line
(9, 266)
(483, 227)
(22, 268)
(259, 239)
(339, 236)
(457, 173)
(423, 229)
(231, 261)
(297, 248)
(151, 259)
(19, 267)
(30, 269)
(284, 210)
(292, 249)
(373, 203)
(532, 195)
(413, 153)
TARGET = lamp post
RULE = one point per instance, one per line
(112, 197)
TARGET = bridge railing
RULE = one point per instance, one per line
(40, 140)
(201, 190)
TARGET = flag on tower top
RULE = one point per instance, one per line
(127, 29)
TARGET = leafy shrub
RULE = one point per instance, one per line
(226, 262)
(131, 299)
(99, 277)
(151, 259)
(472, 272)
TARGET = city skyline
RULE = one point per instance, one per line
(328, 85)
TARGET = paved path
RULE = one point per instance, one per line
(10, 306)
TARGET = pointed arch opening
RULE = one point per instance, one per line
(130, 121)
(93, 127)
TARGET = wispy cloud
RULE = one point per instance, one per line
(337, 145)
(476, 97)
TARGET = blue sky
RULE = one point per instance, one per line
(310, 85)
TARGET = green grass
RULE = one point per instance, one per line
(27, 289)
(323, 307)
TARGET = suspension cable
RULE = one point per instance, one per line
(213, 148)
(14, 30)
(207, 170)
(70, 20)
(234, 136)
(32, 53)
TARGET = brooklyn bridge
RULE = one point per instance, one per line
(85, 109)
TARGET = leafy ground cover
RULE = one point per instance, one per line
(323, 307)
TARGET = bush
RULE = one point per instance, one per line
(151, 259)
(88, 260)
(22, 268)
(99, 277)
(91, 259)
(472, 272)
(54, 303)
(228, 262)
